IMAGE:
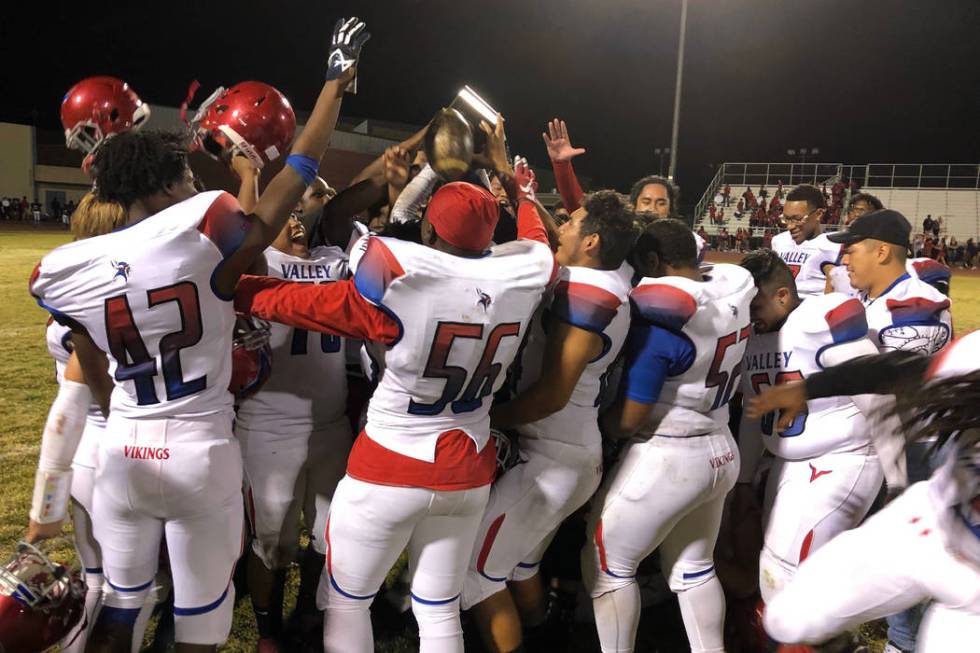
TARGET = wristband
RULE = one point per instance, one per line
(51, 492)
(305, 166)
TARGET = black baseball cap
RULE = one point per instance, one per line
(885, 225)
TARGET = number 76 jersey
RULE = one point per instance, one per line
(823, 331)
(144, 294)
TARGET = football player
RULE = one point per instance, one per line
(168, 460)
(803, 245)
(924, 544)
(452, 313)
(652, 197)
(683, 360)
(295, 439)
(574, 338)
(826, 473)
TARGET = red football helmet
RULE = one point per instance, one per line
(251, 357)
(250, 118)
(98, 107)
(40, 602)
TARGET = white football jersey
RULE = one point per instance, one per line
(462, 321)
(820, 325)
(910, 315)
(594, 300)
(712, 318)
(929, 270)
(806, 260)
(142, 294)
(699, 242)
(307, 389)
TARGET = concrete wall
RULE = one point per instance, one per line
(16, 160)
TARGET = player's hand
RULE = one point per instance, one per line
(495, 153)
(345, 49)
(396, 163)
(37, 532)
(242, 166)
(524, 180)
(789, 398)
(558, 144)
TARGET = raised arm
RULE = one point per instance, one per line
(561, 153)
(273, 207)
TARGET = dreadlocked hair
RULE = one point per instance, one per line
(944, 409)
(137, 164)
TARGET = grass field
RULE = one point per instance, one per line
(27, 378)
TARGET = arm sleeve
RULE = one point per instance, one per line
(653, 353)
(414, 194)
(877, 374)
(335, 308)
(571, 193)
(529, 225)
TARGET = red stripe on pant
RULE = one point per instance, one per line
(488, 542)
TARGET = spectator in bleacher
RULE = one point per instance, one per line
(937, 226)
(954, 251)
(703, 234)
(767, 239)
(918, 242)
(727, 195)
(712, 212)
(721, 216)
(927, 224)
(941, 250)
(763, 193)
(723, 239)
(55, 208)
(779, 189)
(971, 254)
(929, 247)
(36, 212)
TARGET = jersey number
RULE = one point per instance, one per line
(126, 344)
(328, 344)
(725, 380)
(480, 385)
(799, 424)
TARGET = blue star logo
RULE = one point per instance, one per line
(122, 270)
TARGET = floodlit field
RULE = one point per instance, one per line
(27, 378)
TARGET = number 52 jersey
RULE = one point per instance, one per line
(145, 296)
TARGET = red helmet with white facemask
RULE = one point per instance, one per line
(40, 602)
(99, 107)
(250, 118)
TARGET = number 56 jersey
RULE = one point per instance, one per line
(823, 331)
(145, 296)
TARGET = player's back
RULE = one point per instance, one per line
(713, 317)
(307, 388)
(461, 320)
(145, 296)
(806, 260)
(817, 327)
(596, 301)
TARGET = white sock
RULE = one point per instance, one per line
(348, 630)
(617, 615)
(703, 610)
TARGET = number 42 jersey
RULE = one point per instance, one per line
(144, 295)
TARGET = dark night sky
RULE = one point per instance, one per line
(864, 80)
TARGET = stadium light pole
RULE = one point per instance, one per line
(677, 94)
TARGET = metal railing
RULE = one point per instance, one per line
(915, 175)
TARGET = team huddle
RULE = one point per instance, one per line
(507, 375)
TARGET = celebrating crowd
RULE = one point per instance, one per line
(526, 389)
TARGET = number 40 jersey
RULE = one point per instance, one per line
(307, 389)
(823, 331)
(145, 296)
